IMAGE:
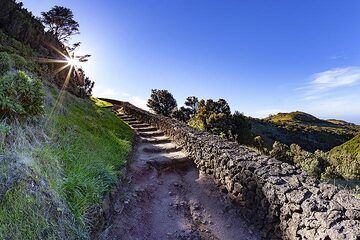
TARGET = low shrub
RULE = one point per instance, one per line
(19, 62)
(20, 96)
(6, 63)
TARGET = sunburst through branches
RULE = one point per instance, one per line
(68, 61)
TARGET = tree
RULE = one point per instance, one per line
(212, 116)
(162, 102)
(240, 128)
(183, 114)
(192, 102)
(215, 117)
(186, 113)
(83, 83)
(60, 22)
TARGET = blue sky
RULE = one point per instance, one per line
(261, 56)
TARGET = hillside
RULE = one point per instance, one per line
(309, 132)
(55, 172)
(350, 147)
(346, 158)
(59, 154)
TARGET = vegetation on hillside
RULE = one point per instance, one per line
(59, 154)
(204, 115)
(346, 158)
(303, 129)
(285, 136)
(61, 166)
(26, 39)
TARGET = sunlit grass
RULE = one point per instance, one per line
(101, 103)
(79, 162)
(92, 145)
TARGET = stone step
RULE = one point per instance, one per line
(140, 125)
(134, 122)
(160, 163)
(148, 129)
(129, 119)
(156, 140)
(124, 115)
(161, 150)
(151, 134)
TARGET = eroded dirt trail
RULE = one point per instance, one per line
(166, 198)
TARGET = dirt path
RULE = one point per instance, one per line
(166, 198)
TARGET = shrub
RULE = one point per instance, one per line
(6, 63)
(259, 144)
(281, 152)
(19, 61)
(329, 173)
(20, 96)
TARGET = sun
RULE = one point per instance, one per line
(72, 61)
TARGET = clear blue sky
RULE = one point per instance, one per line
(261, 56)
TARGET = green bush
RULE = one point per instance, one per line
(19, 62)
(20, 96)
(6, 63)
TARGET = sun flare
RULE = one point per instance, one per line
(72, 61)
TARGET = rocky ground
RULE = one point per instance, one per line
(165, 197)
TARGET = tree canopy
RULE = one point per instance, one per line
(60, 22)
(162, 102)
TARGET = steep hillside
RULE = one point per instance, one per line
(305, 130)
(346, 158)
(59, 154)
(55, 171)
(350, 147)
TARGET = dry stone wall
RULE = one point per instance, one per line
(281, 199)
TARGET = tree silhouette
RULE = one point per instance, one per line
(162, 102)
(60, 22)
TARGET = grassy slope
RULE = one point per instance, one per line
(346, 158)
(350, 147)
(66, 174)
(305, 130)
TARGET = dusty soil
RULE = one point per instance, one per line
(165, 197)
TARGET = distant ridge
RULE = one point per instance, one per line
(304, 129)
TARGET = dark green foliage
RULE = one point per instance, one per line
(183, 114)
(6, 63)
(162, 102)
(186, 113)
(192, 103)
(240, 128)
(313, 163)
(60, 22)
(281, 152)
(19, 61)
(211, 116)
(20, 96)
(83, 83)
(259, 144)
(23, 26)
(216, 117)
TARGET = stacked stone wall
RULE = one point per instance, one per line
(281, 199)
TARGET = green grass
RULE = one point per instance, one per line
(101, 103)
(65, 161)
(292, 117)
(92, 145)
(351, 147)
(26, 214)
(79, 162)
